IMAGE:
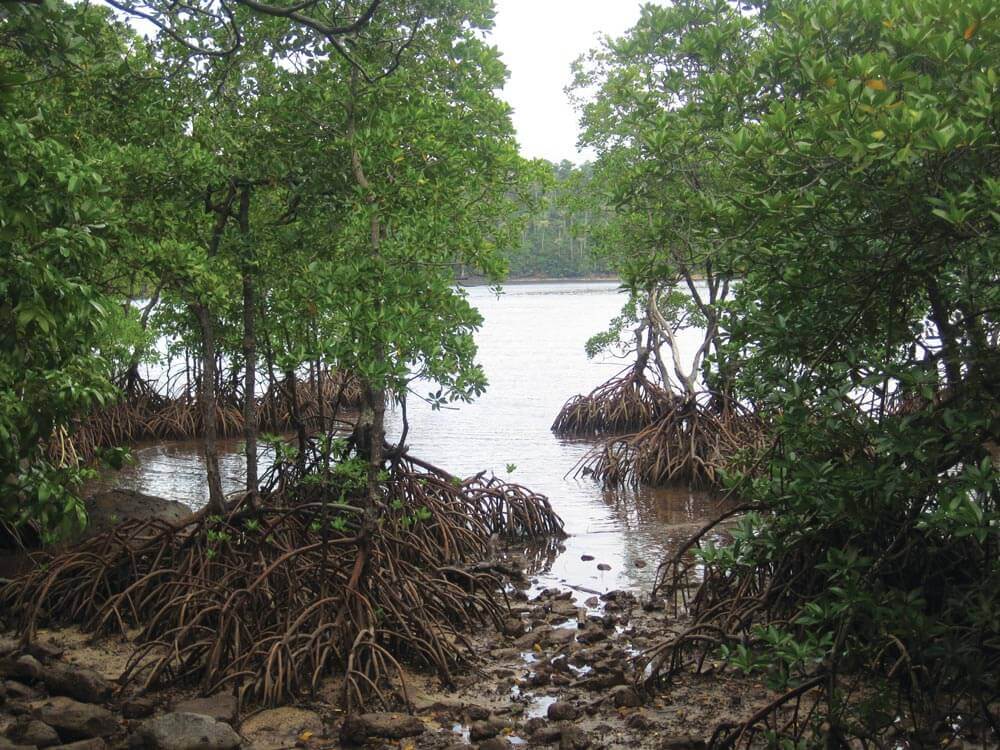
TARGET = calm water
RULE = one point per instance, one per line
(531, 347)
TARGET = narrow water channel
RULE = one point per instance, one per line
(532, 348)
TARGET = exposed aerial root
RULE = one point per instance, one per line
(693, 440)
(296, 586)
(627, 403)
(143, 414)
(316, 399)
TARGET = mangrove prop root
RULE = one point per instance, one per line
(628, 402)
(693, 440)
(144, 414)
(716, 605)
(295, 585)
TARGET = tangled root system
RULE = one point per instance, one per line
(627, 403)
(694, 440)
(296, 586)
(143, 414)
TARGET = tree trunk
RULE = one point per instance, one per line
(250, 382)
(206, 393)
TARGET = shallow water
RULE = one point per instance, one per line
(532, 348)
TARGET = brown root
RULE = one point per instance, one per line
(628, 402)
(693, 440)
(296, 585)
(143, 414)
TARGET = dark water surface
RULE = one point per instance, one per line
(531, 347)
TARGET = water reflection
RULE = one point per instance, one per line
(532, 348)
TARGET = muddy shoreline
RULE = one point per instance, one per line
(562, 673)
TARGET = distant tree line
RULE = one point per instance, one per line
(559, 240)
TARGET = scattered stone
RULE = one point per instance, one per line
(280, 727)
(513, 627)
(532, 637)
(563, 607)
(105, 510)
(558, 637)
(8, 646)
(494, 743)
(28, 731)
(477, 713)
(639, 563)
(221, 706)
(74, 720)
(592, 633)
(24, 667)
(391, 726)
(624, 696)
(592, 602)
(573, 738)
(45, 651)
(546, 734)
(562, 711)
(586, 558)
(6, 744)
(482, 730)
(684, 742)
(138, 708)
(603, 566)
(641, 721)
(181, 731)
(77, 682)
(93, 744)
(19, 691)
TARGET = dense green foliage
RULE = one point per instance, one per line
(842, 160)
(286, 204)
(558, 242)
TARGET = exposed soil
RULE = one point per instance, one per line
(563, 674)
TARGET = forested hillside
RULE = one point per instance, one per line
(560, 241)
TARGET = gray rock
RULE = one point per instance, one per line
(221, 706)
(494, 743)
(28, 731)
(546, 734)
(280, 728)
(683, 742)
(559, 637)
(624, 696)
(6, 744)
(138, 708)
(477, 713)
(482, 730)
(24, 667)
(74, 720)
(105, 510)
(181, 731)
(573, 738)
(513, 627)
(93, 744)
(391, 726)
(562, 711)
(77, 682)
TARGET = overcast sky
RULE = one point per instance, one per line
(539, 39)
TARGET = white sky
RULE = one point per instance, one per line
(539, 40)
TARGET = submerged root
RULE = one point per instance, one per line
(143, 414)
(694, 440)
(626, 403)
(302, 584)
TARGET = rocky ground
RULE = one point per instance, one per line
(561, 675)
